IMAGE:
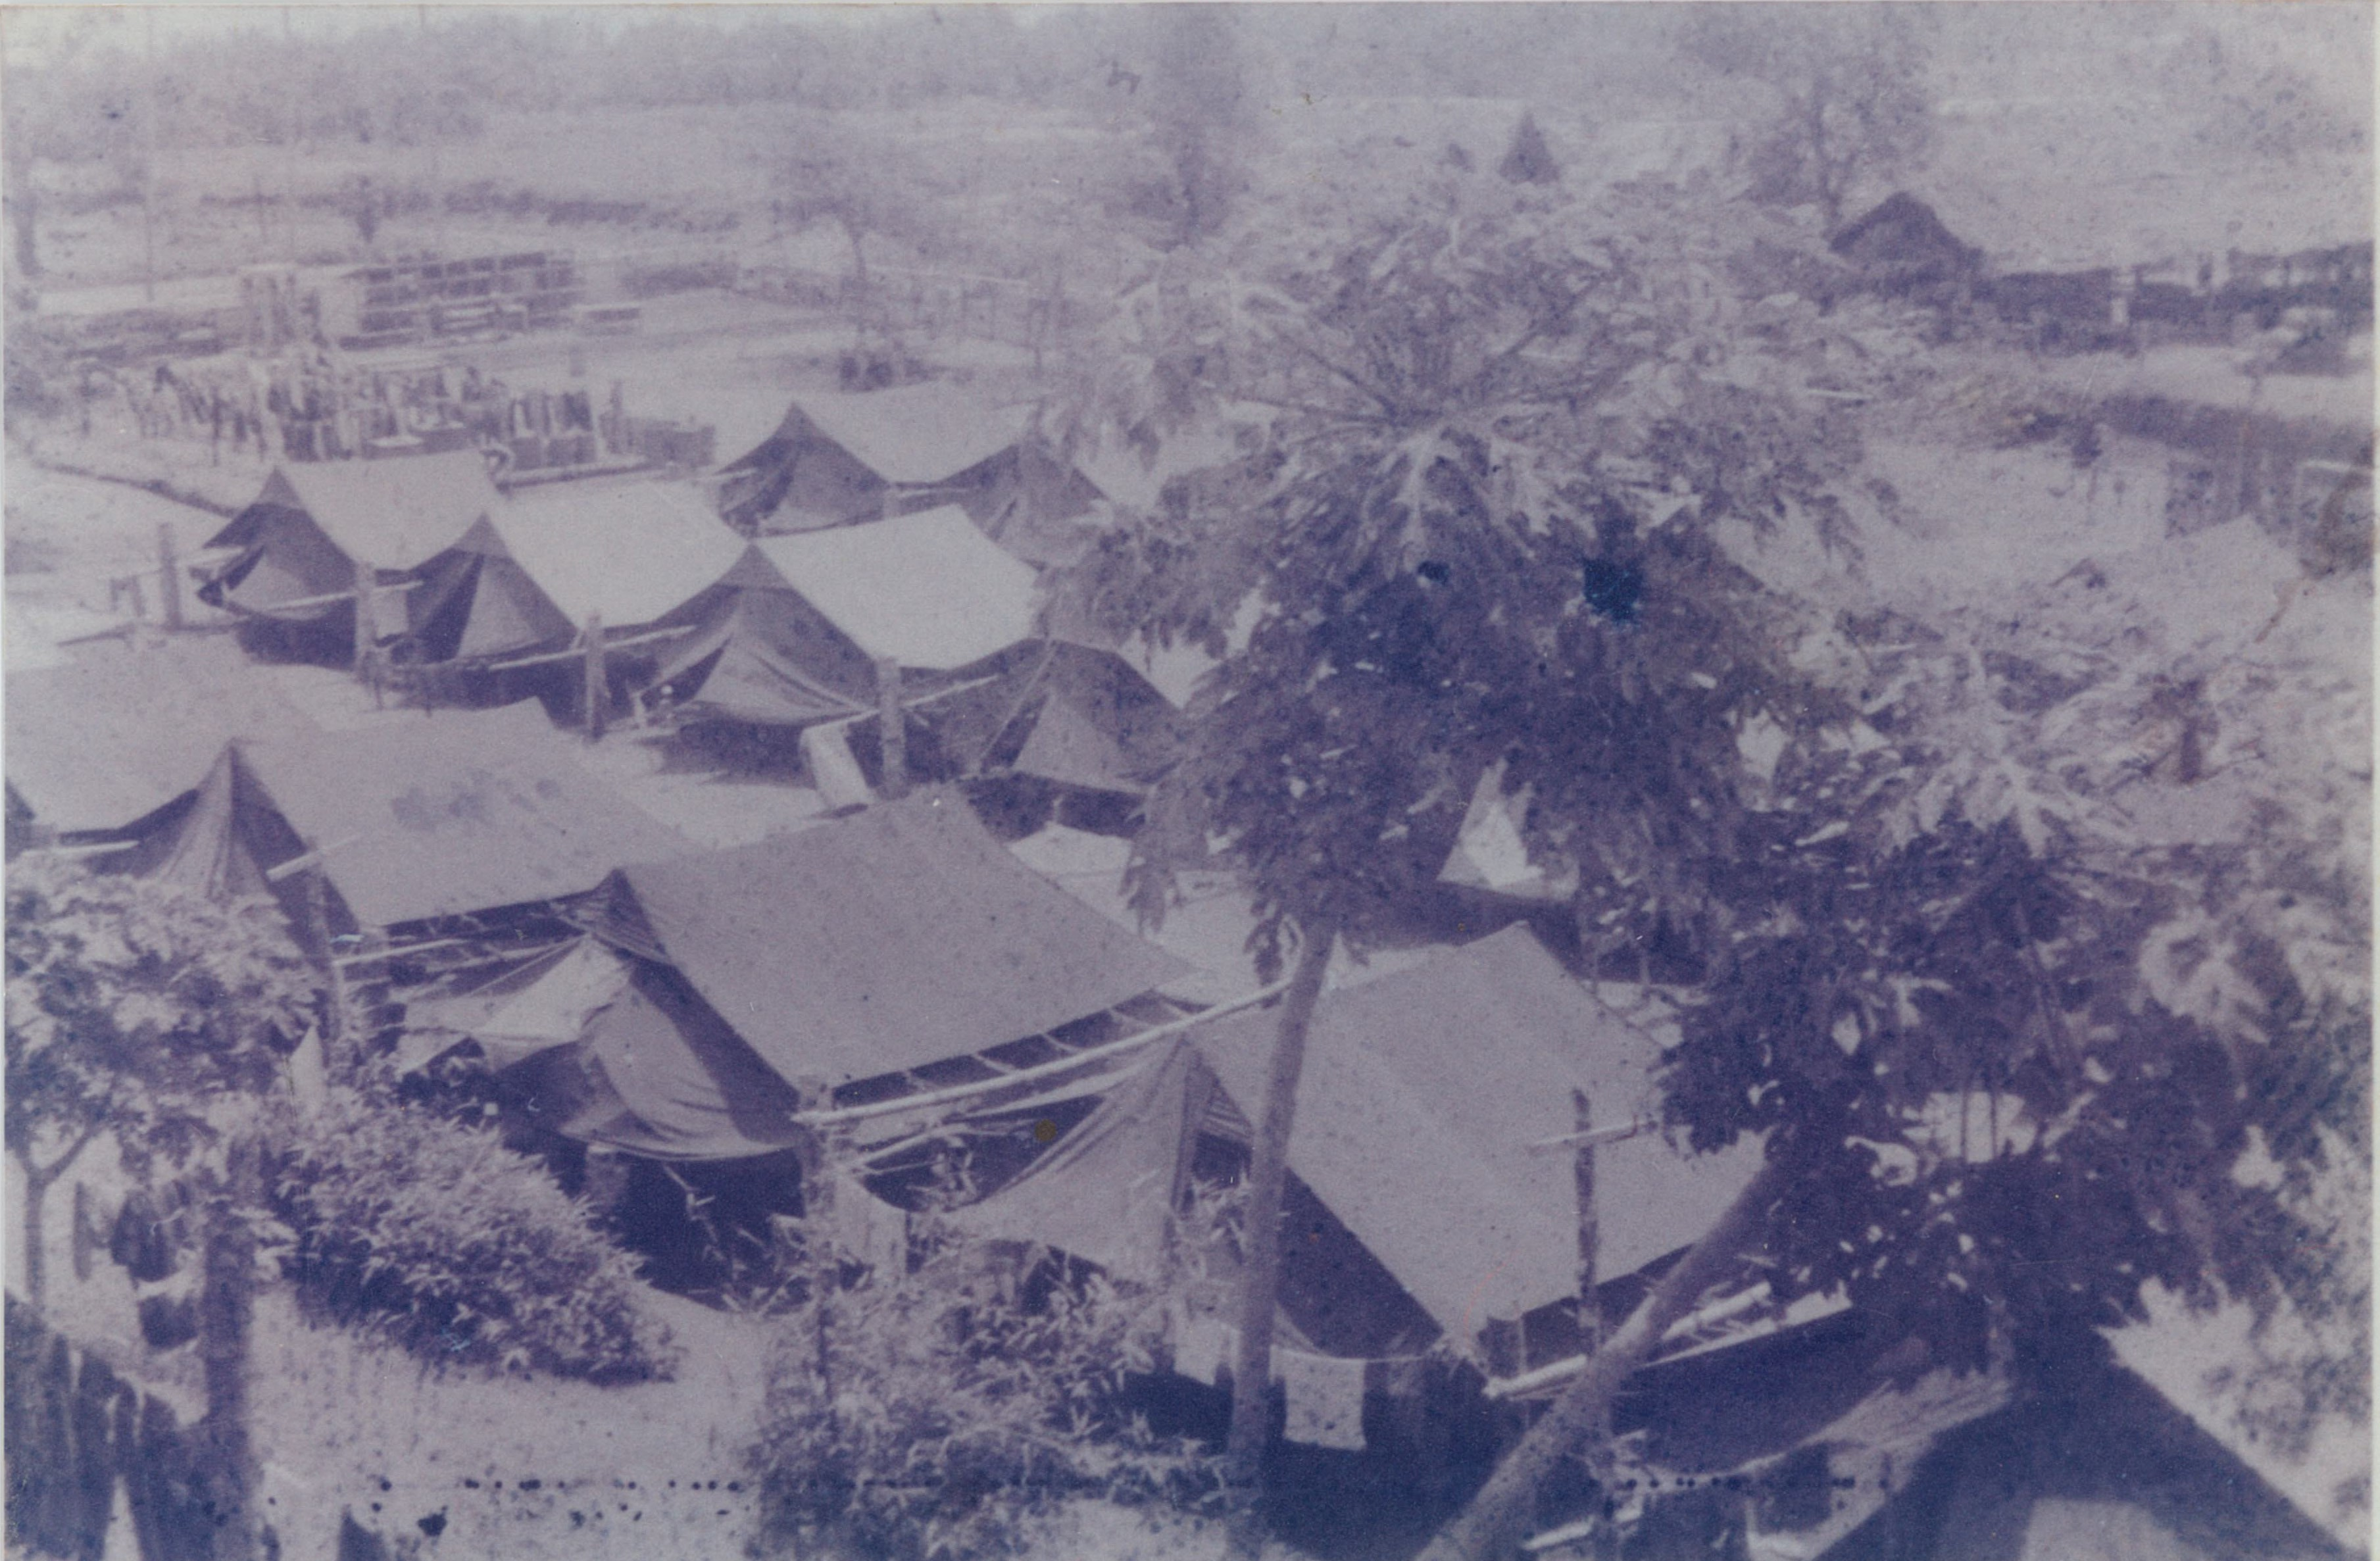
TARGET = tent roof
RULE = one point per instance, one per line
(392, 515)
(901, 936)
(460, 811)
(1423, 1091)
(929, 591)
(632, 551)
(914, 434)
(122, 729)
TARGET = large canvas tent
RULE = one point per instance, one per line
(839, 458)
(316, 528)
(848, 954)
(532, 573)
(1451, 1076)
(100, 743)
(412, 820)
(797, 629)
(1431, 1122)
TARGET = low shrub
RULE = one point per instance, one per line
(943, 1414)
(433, 1232)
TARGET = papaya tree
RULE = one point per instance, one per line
(2047, 989)
(2004, 1048)
(1484, 529)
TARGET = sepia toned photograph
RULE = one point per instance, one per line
(1234, 781)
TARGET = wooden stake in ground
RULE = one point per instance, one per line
(1498, 1518)
(1261, 1281)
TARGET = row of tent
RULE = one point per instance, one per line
(891, 535)
(698, 997)
(835, 460)
(897, 979)
(893, 993)
(792, 630)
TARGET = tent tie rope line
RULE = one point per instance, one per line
(840, 1116)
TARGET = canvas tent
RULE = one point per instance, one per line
(529, 575)
(1428, 1098)
(1443, 1076)
(895, 939)
(839, 458)
(314, 527)
(415, 819)
(795, 631)
(2086, 1462)
(99, 742)
(1085, 717)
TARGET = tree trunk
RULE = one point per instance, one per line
(1261, 1281)
(1493, 1524)
(226, 1310)
(35, 1273)
(38, 1182)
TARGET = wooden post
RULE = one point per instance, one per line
(1590, 1315)
(170, 569)
(318, 927)
(1590, 1310)
(891, 729)
(227, 1318)
(367, 626)
(595, 689)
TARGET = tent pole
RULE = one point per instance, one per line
(367, 628)
(335, 1026)
(1590, 1309)
(170, 587)
(892, 729)
(595, 688)
(1590, 1322)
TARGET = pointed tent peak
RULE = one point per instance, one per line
(1069, 748)
(631, 551)
(1491, 853)
(927, 591)
(392, 514)
(1528, 160)
(1899, 229)
(116, 733)
(914, 434)
(897, 937)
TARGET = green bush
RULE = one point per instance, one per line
(936, 1415)
(435, 1234)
